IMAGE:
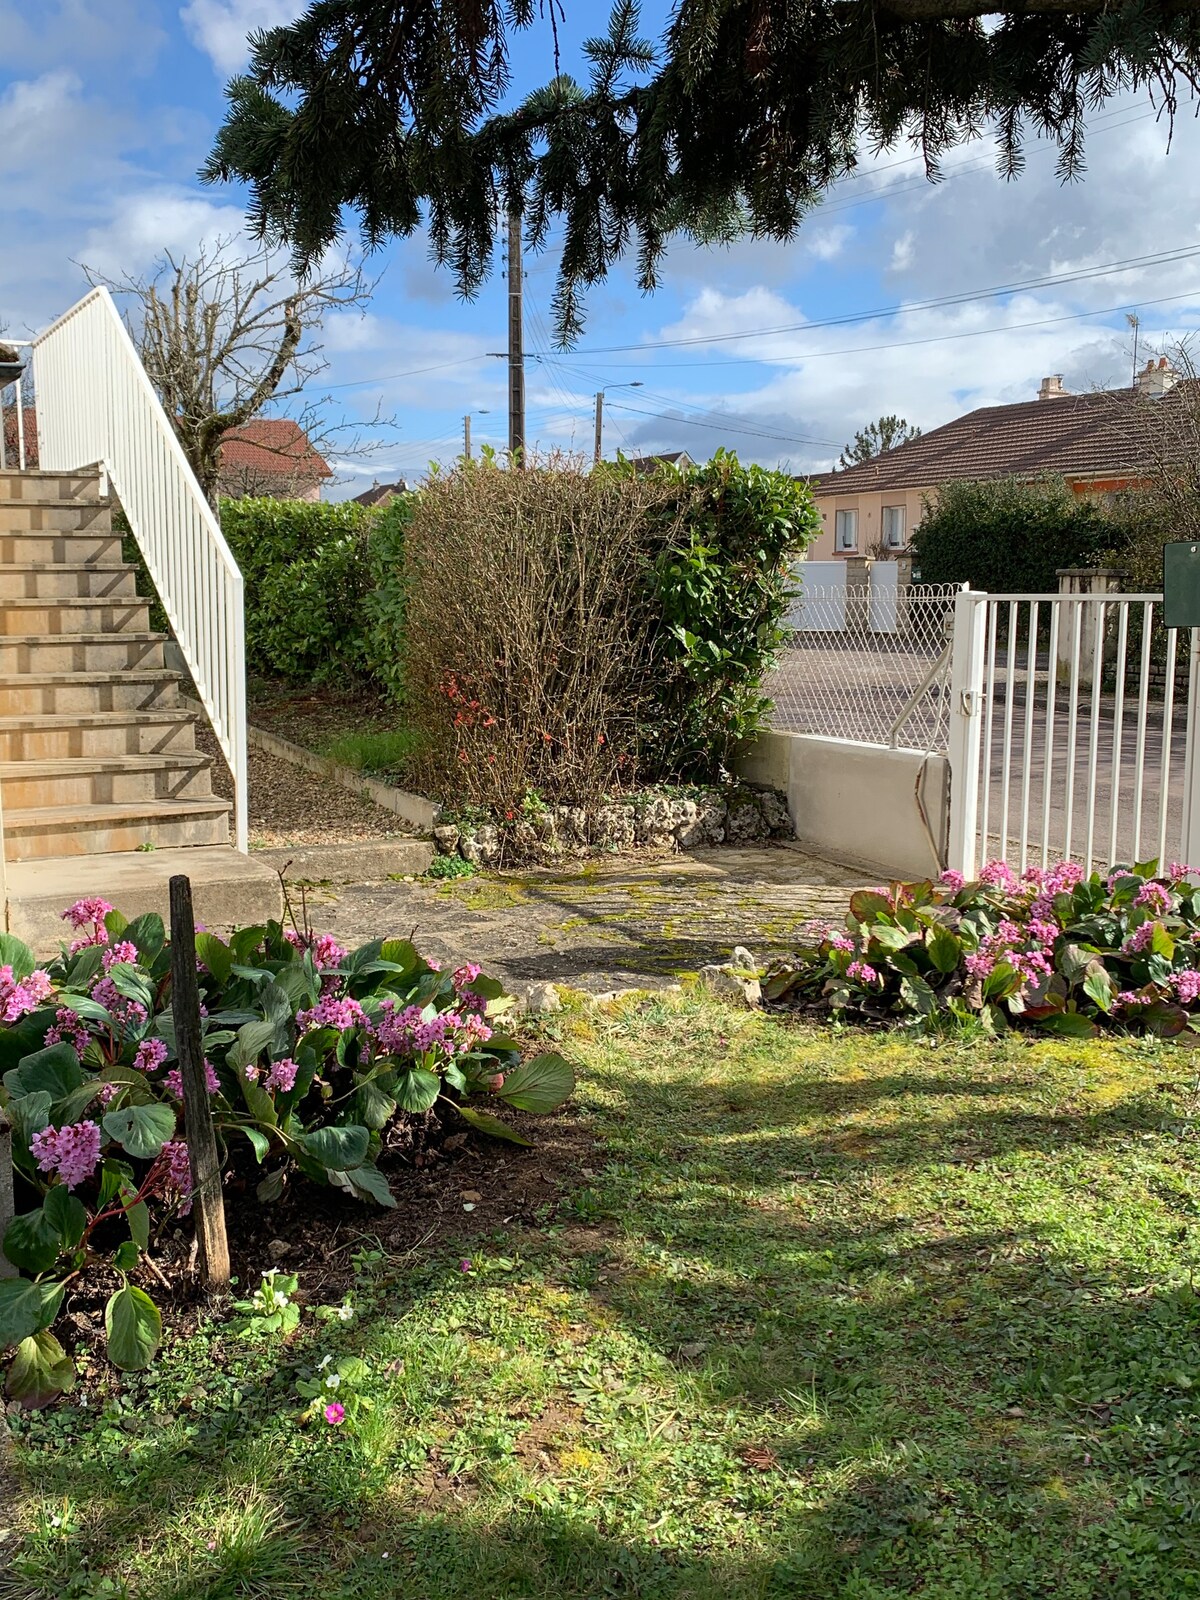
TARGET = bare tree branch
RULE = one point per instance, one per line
(227, 331)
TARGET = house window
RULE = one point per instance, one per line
(893, 527)
(845, 530)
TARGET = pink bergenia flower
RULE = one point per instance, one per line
(1140, 940)
(176, 1167)
(862, 971)
(335, 1414)
(330, 1012)
(842, 942)
(107, 1093)
(73, 1152)
(326, 951)
(281, 1076)
(17, 1000)
(174, 1080)
(121, 952)
(150, 1055)
(1133, 997)
(1155, 897)
(999, 875)
(1186, 986)
(464, 976)
(126, 1013)
(952, 880)
(68, 1028)
(1180, 869)
(92, 910)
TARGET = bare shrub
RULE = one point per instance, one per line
(529, 628)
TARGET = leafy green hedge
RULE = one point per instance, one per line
(721, 588)
(1009, 535)
(311, 570)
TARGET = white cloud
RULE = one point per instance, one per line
(79, 32)
(145, 225)
(220, 27)
(902, 251)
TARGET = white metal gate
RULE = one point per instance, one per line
(1073, 731)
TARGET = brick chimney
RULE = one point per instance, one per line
(1052, 388)
(1156, 378)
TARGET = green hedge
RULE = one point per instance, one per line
(721, 587)
(312, 571)
(1009, 535)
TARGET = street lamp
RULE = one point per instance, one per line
(598, 450)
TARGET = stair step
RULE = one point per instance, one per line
(79, 652)
(38, 486)
(82, 830)
(55, 516)
(93, 549)
(42, 736)
(64, 693)
(61, 580)
(74, 614)
(105, 780)
(228, 889)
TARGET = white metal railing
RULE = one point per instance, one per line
(868, 663)
(1068, 735)
(95, 405)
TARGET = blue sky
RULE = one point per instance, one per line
(107, 107)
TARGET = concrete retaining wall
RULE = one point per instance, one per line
(858, 803)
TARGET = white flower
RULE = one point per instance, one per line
(345, 1313)
(333, 1381)
(323, 1363)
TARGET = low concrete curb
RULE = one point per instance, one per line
(413, 808)
(369, 861)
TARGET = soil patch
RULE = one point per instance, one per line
(289, 806)
(451, 1185)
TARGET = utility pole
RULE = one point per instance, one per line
(467, 436)
(598, 452)
(1135, 323)
(516, 345)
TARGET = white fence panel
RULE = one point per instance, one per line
(821, 603)
(95, 404)
(1070, 737)
(885, 597)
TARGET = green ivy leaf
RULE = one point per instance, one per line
(40, 1372)
(141, 1131)
(539, 1085)
(134, 1328)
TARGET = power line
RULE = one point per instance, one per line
(1045, 281)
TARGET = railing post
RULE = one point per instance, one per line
(1190, 842)
(966, 729)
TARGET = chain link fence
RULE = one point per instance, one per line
(868, 664)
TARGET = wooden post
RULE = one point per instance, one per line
(7, 1270)
(208, 1204)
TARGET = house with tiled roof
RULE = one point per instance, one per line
(1094, 441)
(271, 456)
(381, 494)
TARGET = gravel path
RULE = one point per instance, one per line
(289, 806)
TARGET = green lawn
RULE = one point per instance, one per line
(828, 1315)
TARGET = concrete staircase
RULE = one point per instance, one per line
(101, 785)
